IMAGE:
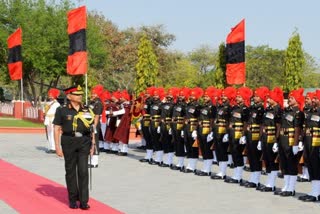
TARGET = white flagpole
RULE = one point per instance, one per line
(86, 82)
(21, 82)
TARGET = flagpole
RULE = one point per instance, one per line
(21, 83)
(86, 83)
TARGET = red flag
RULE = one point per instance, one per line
(15, 56)
(235, 50)
(77, 57)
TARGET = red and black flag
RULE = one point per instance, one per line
(77, 57)
(235, 50)
(15, 56)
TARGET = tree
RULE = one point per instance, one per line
(264, 66)
(294, 63)
(147, 66)
(220, 73)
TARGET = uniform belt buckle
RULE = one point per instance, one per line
(78, 134)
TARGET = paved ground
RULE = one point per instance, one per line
(132, 187)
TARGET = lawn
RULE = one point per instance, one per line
(12, 122)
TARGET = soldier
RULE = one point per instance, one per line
(112, 108)
(75, 121)
(220, 130)
(178, 114)
(268, 141)
(205, 135)
(96, 106)
(311, 148)
(165, 128)
(254, 130)
(306, 110)
(291, 126)
(50, 110)
(238, 124)
(155, 114)
(123, 130)
(103, 146)
(145, 125)
(190, 129)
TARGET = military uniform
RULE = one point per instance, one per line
(166, 132)
(75, 126)
(177, 126)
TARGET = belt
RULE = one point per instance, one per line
(76, 134)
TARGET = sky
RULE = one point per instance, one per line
(208, 22)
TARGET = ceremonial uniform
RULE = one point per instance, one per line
(312, 151)
(291, 125)
(177, 126)
(50, 110)
(190, 136)
(97, 108)
(166, 131)
(145, 128)
(75, 122)
(207, 114)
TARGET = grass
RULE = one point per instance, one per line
(12, 122)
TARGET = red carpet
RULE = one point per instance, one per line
(30, 193)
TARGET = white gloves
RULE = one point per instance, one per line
(194, 134)
(170, 131)
(210, 137)
(182, 134)
(295, 150)
(243, 140)
(300, 146)
(225, 138)
(158, 130)
(259, 146)
(275, 147)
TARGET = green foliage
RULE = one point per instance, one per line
(264, 66)
(220, 73)
(294, 63)
(147, 66)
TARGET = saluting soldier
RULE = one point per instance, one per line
(205, 135)
(190, 129)
(311, 148)
(291, 126)
(220, 130)
(178, 114)
(268, 141)
(75, 122)
(238, 124)
(96, 106)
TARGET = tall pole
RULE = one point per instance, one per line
(21, 85)
(86, 83)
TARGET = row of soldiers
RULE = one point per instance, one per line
(222, 124)
(240, 122)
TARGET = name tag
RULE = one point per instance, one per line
(270, 115)
(145, 106)
(254, 115)
(155, 108)
(236, 115)
(178, 109)
(191, 110)
(87, 115)
(220, 112)
(315, 118)
(167, 107)
(204, 112)
(289, 117)
(69, 117)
